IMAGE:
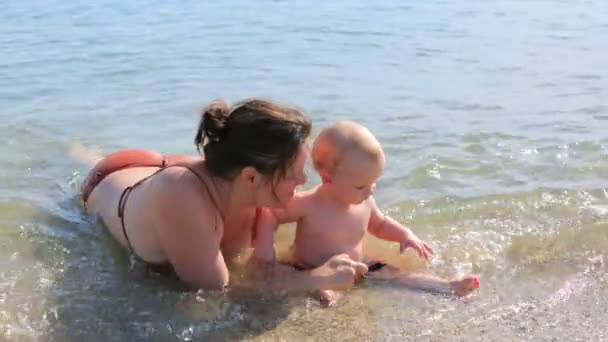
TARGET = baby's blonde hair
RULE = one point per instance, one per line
(342, 139)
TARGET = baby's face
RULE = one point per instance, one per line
(355, 179)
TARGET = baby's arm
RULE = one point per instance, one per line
(294, 211)
(387, 228)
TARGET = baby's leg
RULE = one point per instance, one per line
(426, 282)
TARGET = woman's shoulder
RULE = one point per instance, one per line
(183, 182)
(181, 197)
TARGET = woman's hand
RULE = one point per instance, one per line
(339, 272)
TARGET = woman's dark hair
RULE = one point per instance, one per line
(257, 133)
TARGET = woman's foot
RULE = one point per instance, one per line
(463, 286)
(83, 155)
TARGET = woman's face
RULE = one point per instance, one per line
(279, 192)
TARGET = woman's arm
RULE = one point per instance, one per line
(263, 245)
(269, 221)
(190, 231)
(338, 273)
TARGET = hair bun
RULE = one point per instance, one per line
(213, 121)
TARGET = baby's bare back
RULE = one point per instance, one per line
(327, 229)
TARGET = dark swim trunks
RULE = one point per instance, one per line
(372, 266)
(375, 266)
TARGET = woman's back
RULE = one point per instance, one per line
(137, 205)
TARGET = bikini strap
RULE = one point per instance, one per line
(258, 210)
(207, 187)
(122, 203)
(121, 215)
(256, 219)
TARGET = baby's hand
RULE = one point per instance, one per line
(423, 249)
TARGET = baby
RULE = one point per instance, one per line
(333, 217)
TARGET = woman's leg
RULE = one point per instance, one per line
(118, 161)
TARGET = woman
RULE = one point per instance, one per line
(196, 214)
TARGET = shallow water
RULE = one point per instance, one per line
(493, 116)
